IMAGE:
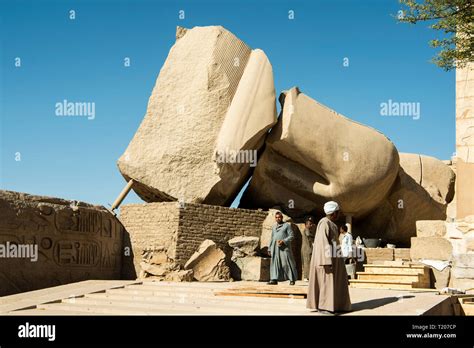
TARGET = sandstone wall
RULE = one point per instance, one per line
(179, 230)
(152, 227)
(199, 222)
(465, 140)
(75, 241)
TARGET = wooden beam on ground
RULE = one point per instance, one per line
(265, 291)
(257, 294)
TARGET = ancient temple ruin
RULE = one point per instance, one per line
(211, 125)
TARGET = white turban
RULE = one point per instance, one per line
(330, 207)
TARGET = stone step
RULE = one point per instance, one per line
(152, 291)
(90, 306)
(155, 306)
(223, 285)
(208, 297)
(181, 295)
(368, 284)
(218, 307)
(202, 285)
(295, 289)
(388, 269)
(32, 298)
(390, 277)
(113, 310)
(38, 311)
(174, 288)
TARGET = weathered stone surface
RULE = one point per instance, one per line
(465, 140)
(423, 189)
(461, 283)
(180, 276)
(208, 263)
(153, 230)
(470, 244)
(430, 228)
(245, 245)
(375, 255)
(464, 175)
(463, 272)
(169, 271)
(305, 164)
(440, 279)
(464, 260)
(466, 225)
(401, 254)
(465, 117)
(432, 174)
(166, 230)
(156, 270)
(160, 273)
(465, 189)
(159, 258)
(430, 248)
(251, 268)
(214, 96)
(72, 241)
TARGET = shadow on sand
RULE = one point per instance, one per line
(378, 302)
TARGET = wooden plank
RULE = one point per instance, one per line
(389, 277)
(208, 298)
(265, 290)
(302, 291)
(381, 281)
(254, 294)
(381, 286)
(217, 307)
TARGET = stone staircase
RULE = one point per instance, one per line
(166, 298)
(149, 297)
(389, 276)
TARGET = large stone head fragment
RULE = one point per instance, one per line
(314, 154)
(422, 191)
(208, 115)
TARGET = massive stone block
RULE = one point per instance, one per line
(431, 248)
(430, 228)
(209, 263)
(244, 246)
(251, 268)
(433, 175)
(401, 254)
(208, 115)
(379, 255)
(422, 191)
(73, 241)
(314, 155)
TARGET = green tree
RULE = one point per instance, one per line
(455, 18)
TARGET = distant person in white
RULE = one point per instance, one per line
(346, 241)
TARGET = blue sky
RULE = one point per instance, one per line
(83, 60)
